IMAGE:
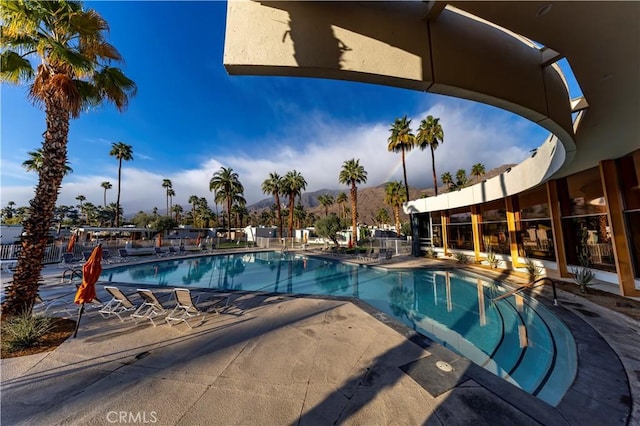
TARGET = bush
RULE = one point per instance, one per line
(24, 331)
(461, 257)
(583, 277)
(534, 270)
(492, 259)
(431, 254)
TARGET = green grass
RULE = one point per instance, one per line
(24, 331)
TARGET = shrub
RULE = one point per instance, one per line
(534, 270)
(492, 259)
(431, 254)
(583, 277)
(461, 257)
(24, 330)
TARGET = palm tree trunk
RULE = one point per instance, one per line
(396, 214)
(21, 293)
(404, 170)
(292, 200)
(228, 216)
(117, 212)
(279, 213)
(105, 198)
(433, 165)
(354, 211)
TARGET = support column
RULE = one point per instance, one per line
(556, 228)
(476, 219)
(513, 225)
(444, 217)
(619, 237)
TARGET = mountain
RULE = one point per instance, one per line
(370, 199)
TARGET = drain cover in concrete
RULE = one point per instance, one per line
(435, 375)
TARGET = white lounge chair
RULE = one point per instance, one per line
(118, 305)
(151, 307)
(123, 255)
(187, 309)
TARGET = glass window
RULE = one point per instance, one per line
(437, 235)
(495, 237)
(460, 236)
(592, 246)
(537, 239)
(586, 195)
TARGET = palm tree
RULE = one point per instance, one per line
(402, 140)
(227, 186)
(171, 194)
(35, 162)
(121, 151)
(326, 201)
(177, 210)
(274, 185)
(461, 179)
(394, 197)
(382, 216)
(430, 134)
(193, 200)
(351, 174)
(73, 73)
(81, 198)
(447, 179)
(106, 185)
(293, 185)
(166, 184)
(477, 171)
(342, 199)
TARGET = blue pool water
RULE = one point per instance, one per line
(515, 338)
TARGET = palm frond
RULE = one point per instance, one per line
(14, 68)
(115, 87)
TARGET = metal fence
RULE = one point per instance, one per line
(396, 246)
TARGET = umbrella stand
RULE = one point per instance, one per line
(80, 311)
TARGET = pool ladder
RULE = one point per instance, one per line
(531, 285)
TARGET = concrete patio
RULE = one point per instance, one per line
(277, 360)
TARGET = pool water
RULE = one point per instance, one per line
(515, 337)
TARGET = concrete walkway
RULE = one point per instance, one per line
(280, 360)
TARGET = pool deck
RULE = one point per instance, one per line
(281, 360)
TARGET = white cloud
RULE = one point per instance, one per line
(316, 146)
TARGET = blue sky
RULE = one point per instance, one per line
(190, 117)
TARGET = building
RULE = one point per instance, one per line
(577, 198)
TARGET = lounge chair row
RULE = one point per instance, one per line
(172, 251)
(69, 260)
(186, 308)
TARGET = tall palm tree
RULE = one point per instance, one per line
(274, 185)
(106, 185)
(477, 171)
(73, 73)
(353, 173)
(193, 200)
(430, 134)
(447, 179)
(177, 210)
(394, 197)
(167, 185)
(171, 194)
(81, 198)
(35, 162)
(227, 186)
(294, 184)
(342, 199)
(402, 140)
(326, 200)
(121, 151)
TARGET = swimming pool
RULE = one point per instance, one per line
(515, 338)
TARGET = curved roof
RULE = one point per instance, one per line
(475, 50)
